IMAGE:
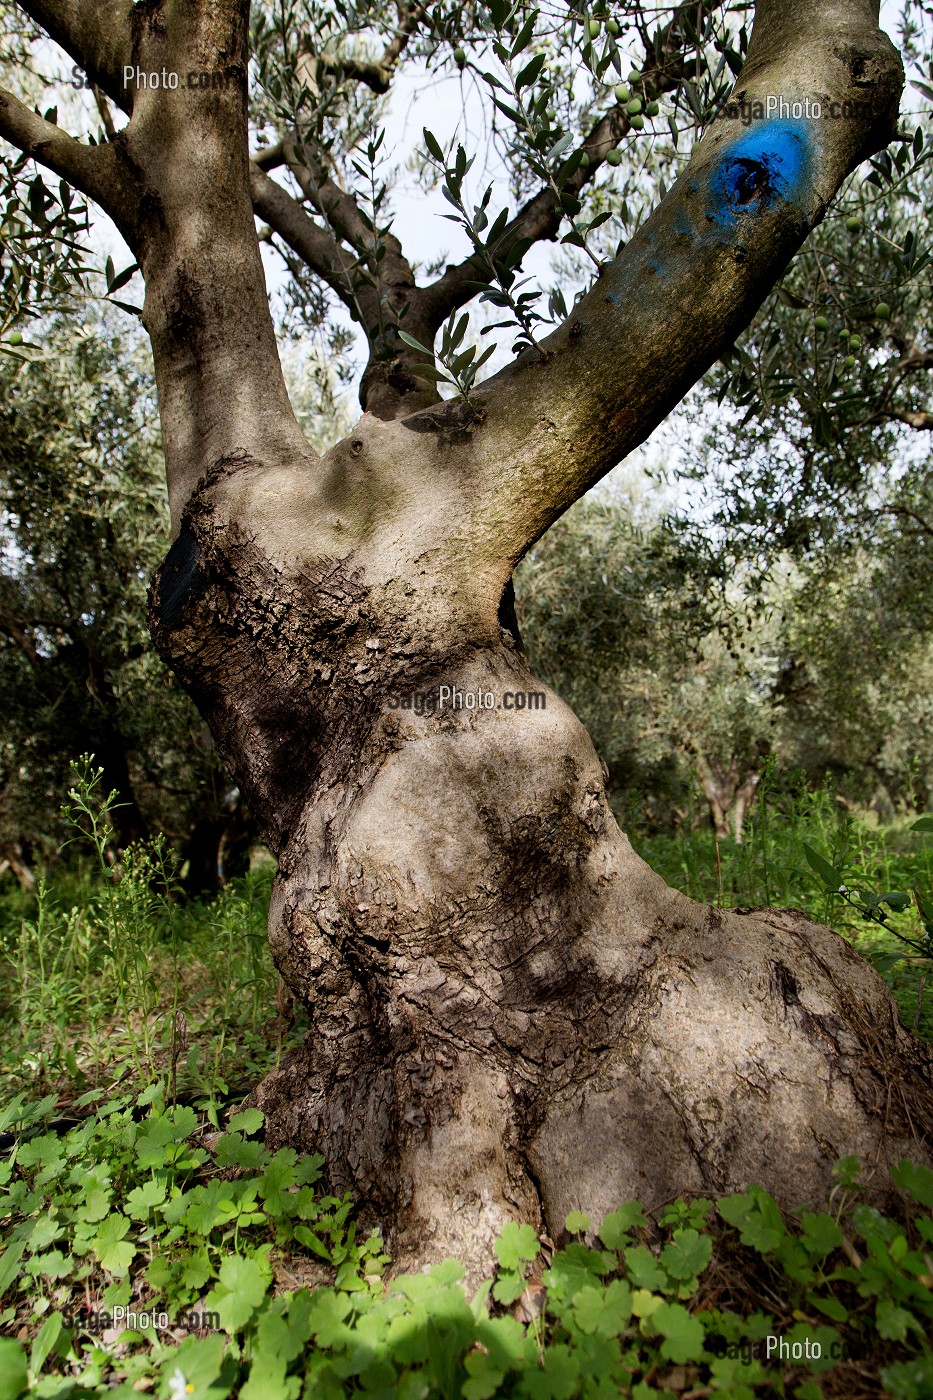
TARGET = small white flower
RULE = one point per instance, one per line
(178, 1387)
(843, 889)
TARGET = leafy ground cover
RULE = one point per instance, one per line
(153, 1244)
(144, 1252)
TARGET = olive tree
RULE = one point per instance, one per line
(512, 1015)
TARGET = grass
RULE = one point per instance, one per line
(108, 980)
(153, 1243)
(120, 985)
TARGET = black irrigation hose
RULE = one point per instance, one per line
(60, 1126)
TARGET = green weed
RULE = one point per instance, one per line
(113, 979)
(145, 1250)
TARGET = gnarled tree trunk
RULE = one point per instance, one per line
(511, 1015)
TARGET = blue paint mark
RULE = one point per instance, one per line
(769, 163)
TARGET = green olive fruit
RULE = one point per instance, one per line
(821, 323)
(614, 158)
(459, 56)
(853, 223)
(634, 107)
(850, 361)
(612, 25)
(16, 338)
(855, 342)
(595, 27)
(844, 334)
(882, 311)
(652, 109)
(637, 123)
(622, 93)
(635, 75)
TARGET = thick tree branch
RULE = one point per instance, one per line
(389, 271)
(270, 158)
(97, 34)
(375, 74)
(693, 275)
(916, 359)
(177, 183)
(389, 388)
(316, 247)
(222, 395)
(103, 107)
(338, 207)
(379, 290)
(918, 418)
(17, 632)
(98, 171)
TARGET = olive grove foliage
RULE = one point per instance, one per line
(689, 681)
(82, 522)
(857, 688)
